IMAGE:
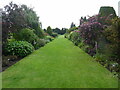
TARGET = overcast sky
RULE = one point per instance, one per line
(60, 13)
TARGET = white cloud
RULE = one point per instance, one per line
(60, 13)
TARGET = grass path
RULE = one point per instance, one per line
(59, 64)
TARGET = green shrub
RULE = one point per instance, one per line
(47, 41)
(29, 36)
(81, 44)
(49, 38)
(106, 11)
(41, 42)
(112, 34)
(85, 48)
(49, 30)
(75, 37)
(66, 35)
(101, 57)
(37, 29)
(69, 32)
(54, 35)
(52, 38)
(71, 29)
(18, 48)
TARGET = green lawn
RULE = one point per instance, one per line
(59, 64)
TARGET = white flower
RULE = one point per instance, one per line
(113, 65)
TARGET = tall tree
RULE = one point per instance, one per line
(16, 17)
(13, 19)
(82, 20)
(72, 25)
(33, 20)
(49, 30)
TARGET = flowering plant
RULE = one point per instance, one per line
(90, 32)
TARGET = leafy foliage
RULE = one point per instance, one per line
(72, 25)
(83, 20)
(71, 29)
(16, 17)
(29, 36)
(106, 11)
(12, 19)
(54, 35)
(41, 42)
(49, 38)
(49, 30)
(18, 48)
(75, 37)
(33, 20)
(112, 34)
(58, 31)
